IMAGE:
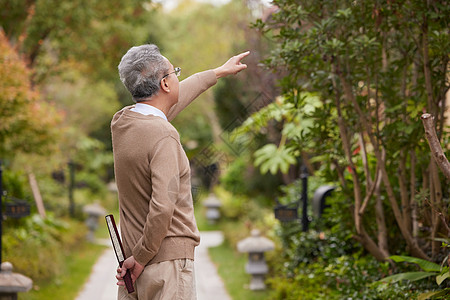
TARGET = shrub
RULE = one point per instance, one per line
(233, 206)
(345, 277)
(14, 183)
(309, 282)
(36, 246)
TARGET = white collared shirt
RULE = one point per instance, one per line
(146, 109)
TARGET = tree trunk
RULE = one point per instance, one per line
(412, 200)
(368, 244)
(426, 66)
(435, 145)
(362, 236)
(381, 222)
(415, 249)
(436, 206)
(406, 209)
(36, 194)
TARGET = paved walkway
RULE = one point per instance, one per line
(101, 285)
(209, 284)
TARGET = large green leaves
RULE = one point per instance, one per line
(297, 116)
(412, 276)
(429, 269)
(272, 158)
(425, 265)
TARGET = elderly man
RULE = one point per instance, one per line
(152, 172)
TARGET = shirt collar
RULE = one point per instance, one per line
(147, 109)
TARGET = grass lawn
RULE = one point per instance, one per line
(78, 266)
(230, 263)
(231, 268)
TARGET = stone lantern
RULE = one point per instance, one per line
(212, 204)
(255, 246)
(12, 283)
(94, 211)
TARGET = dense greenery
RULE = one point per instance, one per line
(27, 121)
(351, 110)
(358, 77)
(59, 88)
(55, 239)
(230, 265)
(343, 89)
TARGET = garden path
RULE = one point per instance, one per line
(101, 284)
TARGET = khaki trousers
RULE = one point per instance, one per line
(167, 280)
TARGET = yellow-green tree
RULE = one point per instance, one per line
(27, 122)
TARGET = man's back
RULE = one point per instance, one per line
(153, 175)
(153, 179)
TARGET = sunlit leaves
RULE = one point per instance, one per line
(297, 115)
(276, 111)
(344, 13)
(46, 32)
(441, 277)
(272, 158)
(27, 123)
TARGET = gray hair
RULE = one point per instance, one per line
(141, 70)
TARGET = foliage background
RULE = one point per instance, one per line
(334, 86)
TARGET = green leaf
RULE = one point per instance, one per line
(273, 159)
(412, 276)
(308, 108)
(428, 295)
(344, 13)
(291, 130)
(264, 153)
(426, 265)
(440, 278)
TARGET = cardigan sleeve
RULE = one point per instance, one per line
(191, 88)
(164, 167)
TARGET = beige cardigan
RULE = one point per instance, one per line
(153, 179)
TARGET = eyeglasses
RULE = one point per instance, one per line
(177, 72)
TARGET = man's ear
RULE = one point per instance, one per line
(165, 85)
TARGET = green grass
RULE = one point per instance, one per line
(78, 266)
(231, 268)
(230, 263)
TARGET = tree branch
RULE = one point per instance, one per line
(435, 145)
(375, 185)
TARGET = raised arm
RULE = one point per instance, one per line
(232, 66)
(193, 86)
